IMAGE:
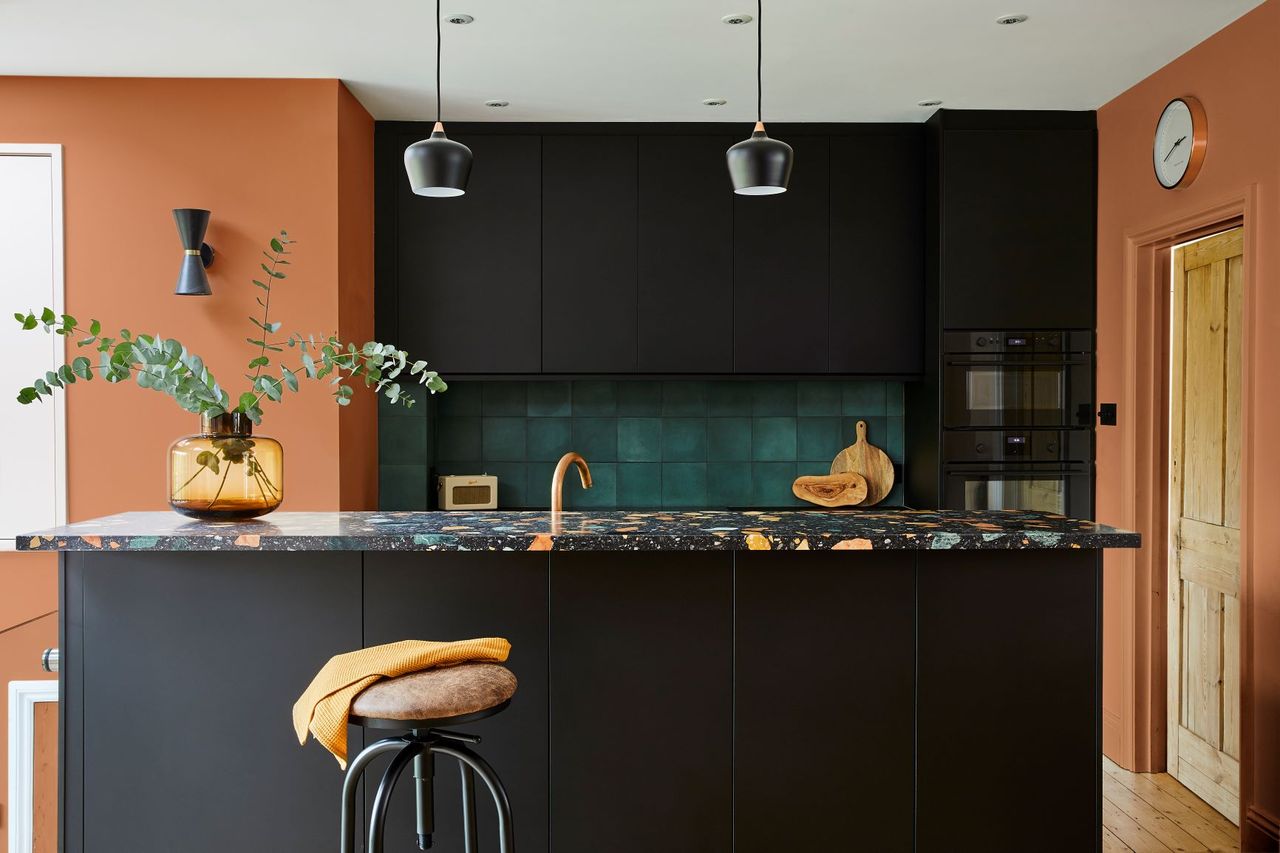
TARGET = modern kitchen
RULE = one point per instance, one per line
(800, 426)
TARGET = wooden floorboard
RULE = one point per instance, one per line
(1153, 813)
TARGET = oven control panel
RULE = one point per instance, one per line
(1015, 342)
(1018, 446)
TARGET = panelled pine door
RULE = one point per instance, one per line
(1204, 524)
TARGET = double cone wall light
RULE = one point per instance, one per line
(437, 166)
(197, 254)
(760, 165)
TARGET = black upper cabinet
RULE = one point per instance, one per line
(589, 201)
(686, 255)
(1018, 228)
(876, 319)
(780, 258)
(467, 269)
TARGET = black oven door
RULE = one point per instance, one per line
(991, 392)
(1058, 489)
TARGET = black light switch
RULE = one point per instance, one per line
(1107, 414)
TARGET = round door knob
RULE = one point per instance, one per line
(980, 447)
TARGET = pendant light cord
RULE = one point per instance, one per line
(759, 59)
(437, 60)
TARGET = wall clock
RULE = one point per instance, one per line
(1182, 135)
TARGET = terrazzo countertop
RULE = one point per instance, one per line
(693, 530)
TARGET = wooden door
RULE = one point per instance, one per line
(1204, 524)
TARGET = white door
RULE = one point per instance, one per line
(32, 457)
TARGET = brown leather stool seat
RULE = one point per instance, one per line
(432, 697)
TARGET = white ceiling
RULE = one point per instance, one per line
(610, 60)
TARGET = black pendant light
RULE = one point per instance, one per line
(760, 165)
(438, 167)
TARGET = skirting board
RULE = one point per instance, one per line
(23, 696)
(1260, 832)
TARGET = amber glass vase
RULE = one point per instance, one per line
(226, 472)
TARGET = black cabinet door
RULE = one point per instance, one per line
(1018, 229)
(641, 702)
(454, 596)
(686, 255)
(1009, 701)
(876, 318)
(467, 274)
(187, 742)
(780, 258)
(824, 693)
(589, 254)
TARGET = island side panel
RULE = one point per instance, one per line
(191, 665)
(458, 595)
(641, 701)
(824, 700)
(71, 703)
(1008, 700)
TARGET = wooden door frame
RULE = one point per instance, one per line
(1143, 464)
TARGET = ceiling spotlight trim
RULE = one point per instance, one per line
(497, 102)
(1010, 20)
(929, 102)
(714, 102)
(460, 19)
(737, 19)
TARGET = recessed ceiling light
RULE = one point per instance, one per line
(714, 102)
(497, 103)
(933, 102)
(1007, 20)
(459, 19)
(739, 18)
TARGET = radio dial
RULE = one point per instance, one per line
(982, 342)
(1053, 447)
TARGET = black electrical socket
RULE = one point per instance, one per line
(1107, 414)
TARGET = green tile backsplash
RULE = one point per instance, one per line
(677, 444)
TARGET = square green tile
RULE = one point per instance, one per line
(639, 440)
(596, 439)
(462, 398)
(537, 492)
(684, 440)
(457, 438)
(771, 484)
(813, 468)
(894, 438)
(728, 484)
(603, 493)
(549, 399)
(773, 398)
(465, 467)
(897, 495)
(818, 438)
(684, 399)
(639, 485)
(504, 440)
(894, 398)
(402, 487)
(504, 399)
(818, 398)
(773, 439)
(684, 484)
(513, 483)
(726, 398)
(863, 399)
(877, 431)
(728, 439)
(547, 439)
(639, 398)
(402, 441)
(594, 398)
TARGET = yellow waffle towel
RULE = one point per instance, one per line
(326, 704)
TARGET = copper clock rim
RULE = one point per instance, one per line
(1199, 141)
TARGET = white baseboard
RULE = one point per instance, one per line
(23, 696)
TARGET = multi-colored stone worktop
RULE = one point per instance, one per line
(695, 530)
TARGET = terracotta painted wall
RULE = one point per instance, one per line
(1235, 74)
(261, 155)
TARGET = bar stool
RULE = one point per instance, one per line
(420, 702)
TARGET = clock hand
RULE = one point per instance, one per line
(1175, 146)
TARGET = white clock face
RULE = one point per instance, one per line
(1172, 149)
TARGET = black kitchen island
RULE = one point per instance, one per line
(700, 681)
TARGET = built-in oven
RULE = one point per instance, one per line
(1060, 488)
(1017, 379)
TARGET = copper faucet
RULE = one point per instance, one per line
(557, 479)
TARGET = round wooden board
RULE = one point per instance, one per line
(871, 462)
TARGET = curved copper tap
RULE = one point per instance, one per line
(557, 479)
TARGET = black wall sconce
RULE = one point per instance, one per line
(192, 223)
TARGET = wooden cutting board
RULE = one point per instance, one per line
(848, 489)
(871, 462)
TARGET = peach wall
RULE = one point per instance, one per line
(1235, 74)
(261, 155)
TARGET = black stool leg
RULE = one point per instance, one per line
(424, 771)
(378, 814)
(468, 809)
(352, 782)
(506, 834)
